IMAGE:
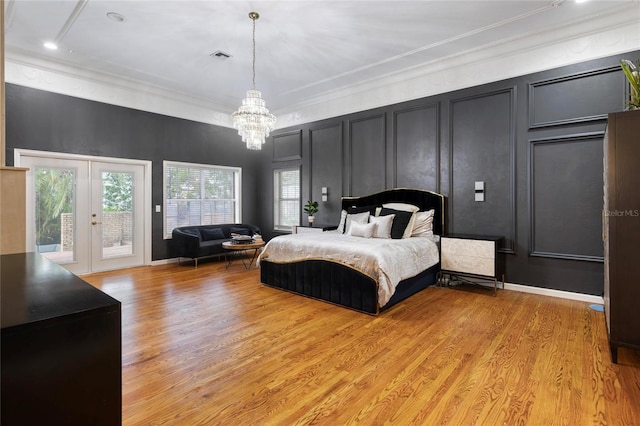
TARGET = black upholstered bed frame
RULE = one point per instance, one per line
(335, 283)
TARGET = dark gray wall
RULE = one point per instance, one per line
(535, 140)
(50, 122)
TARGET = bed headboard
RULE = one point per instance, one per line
(426, 200)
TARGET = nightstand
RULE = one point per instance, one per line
(475, 256)
(302, 229)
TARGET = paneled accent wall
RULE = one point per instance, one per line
(535, 141)
(481, 148)
(565, 185)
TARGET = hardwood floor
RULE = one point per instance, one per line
(214, 346)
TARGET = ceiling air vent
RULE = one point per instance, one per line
(220, 55)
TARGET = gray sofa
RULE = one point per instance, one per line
(196, 242)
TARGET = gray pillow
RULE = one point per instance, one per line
(239, 230)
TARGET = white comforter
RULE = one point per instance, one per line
(385, 260)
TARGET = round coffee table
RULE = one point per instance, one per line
(237, 249)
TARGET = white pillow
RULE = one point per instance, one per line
(405, 208)
(402, 207)
(356, 217)
(383, 225)
(365, 230)
(423, 226)
(343, 219)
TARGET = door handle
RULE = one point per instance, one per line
(93, 222)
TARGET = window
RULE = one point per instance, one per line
(198, 194)
(286, 205)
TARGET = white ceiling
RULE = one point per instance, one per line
(307, 51)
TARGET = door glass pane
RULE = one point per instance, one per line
(54, 215)
(117, 214)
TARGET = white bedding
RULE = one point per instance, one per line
(387, 261)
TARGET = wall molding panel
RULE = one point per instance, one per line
(584, 97)
(558, 167)
(476, 124)
(367, 155)
(326, 144)
(413, 138)
(287, 146)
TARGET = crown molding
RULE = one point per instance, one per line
(39, 73)
(610, 34)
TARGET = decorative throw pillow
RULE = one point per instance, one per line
(423, 226)
(402, 207)
(405, 207)
(239, 231)
(361, 209)
(365, 230)
(209, 234)
(400, 222)
(343, 220)
(358, 218)
(383, 225)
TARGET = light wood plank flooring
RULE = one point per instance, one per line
(214, 346)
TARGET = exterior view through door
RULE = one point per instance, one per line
(84, 214)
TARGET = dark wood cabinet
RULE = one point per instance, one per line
(61, 350)
(621, 230)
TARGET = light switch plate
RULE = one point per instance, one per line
(158, 208)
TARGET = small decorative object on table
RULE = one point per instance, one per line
(631, 72)
(242, 239)
(310, 209)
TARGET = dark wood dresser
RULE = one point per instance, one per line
(621, 230)
(61, 347)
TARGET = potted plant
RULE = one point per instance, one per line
(310, 209)
(631, 72)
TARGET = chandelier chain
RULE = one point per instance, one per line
(254, 53)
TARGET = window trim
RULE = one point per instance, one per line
(238, 185)
(276, 199)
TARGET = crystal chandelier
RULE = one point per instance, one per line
(253, 120)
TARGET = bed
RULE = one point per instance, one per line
(357, 278)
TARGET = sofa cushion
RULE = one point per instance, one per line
(209, 234)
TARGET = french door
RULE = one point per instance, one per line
(87, 214)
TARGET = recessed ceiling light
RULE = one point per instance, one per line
(50, 45)
(116, 17)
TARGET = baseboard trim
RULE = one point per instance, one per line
(554, 293)
(164, 261)
(589, 298)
